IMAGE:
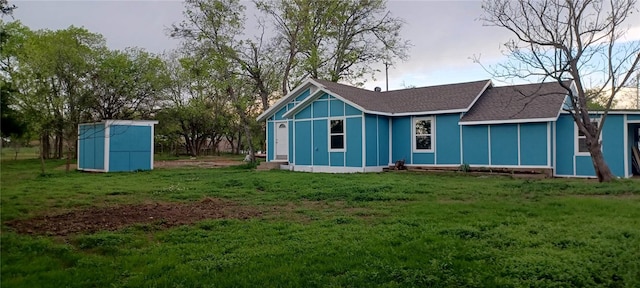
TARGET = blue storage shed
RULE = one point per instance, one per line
(116, 145)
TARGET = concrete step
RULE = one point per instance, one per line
(270, 165)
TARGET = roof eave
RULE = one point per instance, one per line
(284, 100)
(508, 121)
(315, 95)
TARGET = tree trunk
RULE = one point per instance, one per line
(59, 143)
(44, 146)
(599, 164)
(238, 143)
(42, 153)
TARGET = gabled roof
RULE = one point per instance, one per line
(538, 102)
(456, 97)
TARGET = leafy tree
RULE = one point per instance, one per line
(193, 110)
(126, 84)
(334, 40)
(570, 40)
(212, 28)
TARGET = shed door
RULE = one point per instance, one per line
(282, 141)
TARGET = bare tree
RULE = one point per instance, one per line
(577, 40)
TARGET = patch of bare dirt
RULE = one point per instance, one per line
(200, 163)
(113, 218)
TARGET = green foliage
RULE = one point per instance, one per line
(363, 230)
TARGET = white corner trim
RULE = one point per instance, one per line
(152, 145)
(107, 144)
(625, 145)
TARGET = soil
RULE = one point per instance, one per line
(201, 163)
(113, 218)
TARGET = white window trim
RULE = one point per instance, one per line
(344, 133)
(576, 139)
(433, 134)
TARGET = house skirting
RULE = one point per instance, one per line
(334, 169)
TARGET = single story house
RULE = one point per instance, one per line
(323, 126)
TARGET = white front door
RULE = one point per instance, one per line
(282, 141)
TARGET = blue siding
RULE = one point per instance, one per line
(303, 143)
(401, 139)
(633, 117)
(504, 144)
(533, 144)
(291, 145)
(475, 145)
(270, 141)
(584, 166)
(447, 139)
(632, 131)
(383, 141)
(423, 158)
(320, 109)
(351, 111)
(130, 138)
(303, 95)
(278, 115)
(565, 141)
(304, 113)
(336, 108)
(371, 132)
(354, 142)
(320, 142)
(91, 149)
(613, 147)
(129, 148)
(613, 143)
(337, 159)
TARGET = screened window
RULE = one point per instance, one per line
(423, 134)
(336, 134)
(582, 139)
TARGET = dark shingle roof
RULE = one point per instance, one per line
(530, 101)
(412, 100)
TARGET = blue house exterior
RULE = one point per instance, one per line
(328, 127)
(116, 146)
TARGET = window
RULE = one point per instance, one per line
(581, 144)
(336, 134)
(423, 134)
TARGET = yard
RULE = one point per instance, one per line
(195, 227)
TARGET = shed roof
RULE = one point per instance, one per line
(519, 103)
(449, 97)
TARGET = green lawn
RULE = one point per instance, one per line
(359, 230)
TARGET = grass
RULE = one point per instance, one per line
(11, 153)
(387, 229)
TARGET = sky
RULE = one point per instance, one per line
(445, 35)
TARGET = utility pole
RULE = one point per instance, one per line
(386, 74)
(638, 91)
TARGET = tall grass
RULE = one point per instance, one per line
(359, 230)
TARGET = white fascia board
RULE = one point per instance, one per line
(489, 84)
(284, 100)
(512, 121)
(613, 112)
(420, 113)
(131, 122)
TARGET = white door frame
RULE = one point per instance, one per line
(284, 145)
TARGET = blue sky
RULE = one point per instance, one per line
(445, 34)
